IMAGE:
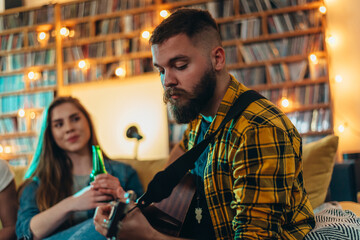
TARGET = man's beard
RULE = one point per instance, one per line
(196, 101)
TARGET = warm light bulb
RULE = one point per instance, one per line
(120, 72)
(322, 9)
(7, 149)
(145, 34)
(64, 31)
(82, 64)
(341, 128)
(313, 58)
(31, 75)
(41, 36)
(1, 149)
(338, 78)
(285, 102)
(32, 115)
(331, 40)
(21, 112)
(164, 13)
(71, 33)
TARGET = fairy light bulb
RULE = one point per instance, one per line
(338, 78)
(21, 112)
(1, 149)
(285, 102)
(164, 13)
(313, 58)
(31, 75)
(120, 72)
(322, 9)
(64, 31)
(331, 40)
(145, 34)
(7, 149)
(41, 36)
(341, 128)
(82, 64)
(32, 115)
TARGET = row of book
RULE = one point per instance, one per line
(19, 124)
(18, 161)
(12, 103)
(95, 7)
(17, 61)
(17, 82)
(11, 41)
(20, 145)
(107, 71)
(241, 29)
(301, 95)
(279, 73)
(217, 9)
(250, 6)
(293, 21)
(101, 49)
(262, 51)
(42, 15)
(316, 120)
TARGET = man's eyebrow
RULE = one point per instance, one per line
(173, 60)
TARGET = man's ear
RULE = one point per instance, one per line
(218, 58)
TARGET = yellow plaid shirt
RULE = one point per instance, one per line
(253, 175)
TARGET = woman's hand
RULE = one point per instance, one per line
(88, 198)
(108, 184)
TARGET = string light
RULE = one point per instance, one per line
(338, 78)
(120, 72)
(41, 36)
(331, 40)
(322, 9)
(313, 58)
(285, 102)
(83, 64)
(21, 112)
(145, 34)
(33, 75)
(164, 13)
(7, 149)
(32, 115)
(64, 31)
(1, 149)
(341, 128)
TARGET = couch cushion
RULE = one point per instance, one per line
(318, 163)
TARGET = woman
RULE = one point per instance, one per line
(8, 206)
(57, 194)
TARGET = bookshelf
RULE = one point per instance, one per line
(276, 47)
(27, 78)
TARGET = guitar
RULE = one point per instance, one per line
(166, 216)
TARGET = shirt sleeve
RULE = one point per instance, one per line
(264, 169)
(6, 175)
(27, 210)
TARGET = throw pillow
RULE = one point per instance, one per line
(318, 163)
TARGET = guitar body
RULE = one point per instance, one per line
(169, 215)
(166, 216)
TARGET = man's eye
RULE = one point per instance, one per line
(182, 67)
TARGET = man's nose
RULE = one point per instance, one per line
(168, 79)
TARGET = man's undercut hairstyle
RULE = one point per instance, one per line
(195, 23)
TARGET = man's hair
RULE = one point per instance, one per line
(191, 22)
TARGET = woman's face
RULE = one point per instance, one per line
(70, 128)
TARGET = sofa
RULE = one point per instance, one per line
(318, 168)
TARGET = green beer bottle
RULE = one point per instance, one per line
(98, 162)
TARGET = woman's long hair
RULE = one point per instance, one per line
(54, 167)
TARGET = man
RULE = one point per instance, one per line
(249, 183)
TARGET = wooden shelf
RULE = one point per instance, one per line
(18, 135)
(15, 114)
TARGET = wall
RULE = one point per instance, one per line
(343, 24)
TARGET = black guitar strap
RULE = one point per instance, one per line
(164, 181)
